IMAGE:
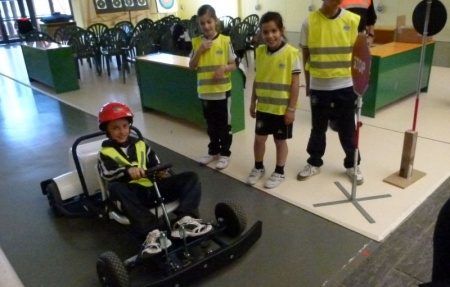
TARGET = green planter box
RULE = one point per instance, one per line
(51, 64)
(394, 74)
(167, 85)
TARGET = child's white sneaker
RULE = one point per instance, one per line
(255, 175)
(307, 172)
(359, 176)
(274, 180)
(207, 159)
(192, 227)
(224, 161)
(154, 243)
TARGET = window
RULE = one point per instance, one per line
(47, 7)
(62, 6)
(11, 10)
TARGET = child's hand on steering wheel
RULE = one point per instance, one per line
(163, 173)
(136, 172)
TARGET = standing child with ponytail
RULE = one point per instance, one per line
(214, 59)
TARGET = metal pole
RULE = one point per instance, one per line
(422, 57)
(355, 160)
(163, 207)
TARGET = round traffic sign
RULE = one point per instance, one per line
(361, 60)
(437, 17)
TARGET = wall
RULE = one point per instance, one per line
(294, 12)
(406, 7)
(84, 13)
(188, 8)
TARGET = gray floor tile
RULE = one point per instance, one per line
(395, 278)
(418, 262)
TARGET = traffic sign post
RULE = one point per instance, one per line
(426, 26)
(361, 60)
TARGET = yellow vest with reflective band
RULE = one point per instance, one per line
(356, 4)
(273, 79)
(210, 60)
(330, 44)
(122, 161)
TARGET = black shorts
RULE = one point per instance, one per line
(270, 124)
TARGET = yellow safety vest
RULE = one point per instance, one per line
(210, 60)
(330, 43)
(122, 161)
(346, 4)
(273, 79)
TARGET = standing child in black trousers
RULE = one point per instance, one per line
(213, 58)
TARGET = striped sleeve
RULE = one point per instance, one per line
(110, 170)
(296, 68)
(231, 55)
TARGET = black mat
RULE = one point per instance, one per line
(405, 258)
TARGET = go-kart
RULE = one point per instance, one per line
(81, 192)
(188, 259)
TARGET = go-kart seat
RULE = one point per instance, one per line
(119, 216)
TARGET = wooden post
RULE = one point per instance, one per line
(407, 174)
(409, 150)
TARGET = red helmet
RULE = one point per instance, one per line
(113, 111)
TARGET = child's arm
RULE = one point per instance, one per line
(253, 99)
(110, 170)
(289, 116)
(230, 66)
(232, 58)
(136, 172)
(220, 72)
(305, 55)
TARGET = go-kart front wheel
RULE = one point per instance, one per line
(232, 217)
(111, 271)
(54, 198)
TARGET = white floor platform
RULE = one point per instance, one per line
(381, 142)
(8, 276)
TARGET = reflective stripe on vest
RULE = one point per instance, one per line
(209, 62)
(348, 4)
(122, 161)
(273, 88)
(330, 57)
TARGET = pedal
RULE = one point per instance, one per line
(186, 253)
(172, 264)
(205, 244)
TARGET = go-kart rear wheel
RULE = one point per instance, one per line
(111, 271)
(232, 216)
(52, 197)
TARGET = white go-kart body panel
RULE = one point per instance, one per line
(69, 185)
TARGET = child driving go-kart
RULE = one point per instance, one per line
(123, 161)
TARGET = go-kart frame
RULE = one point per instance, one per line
(185, 262)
